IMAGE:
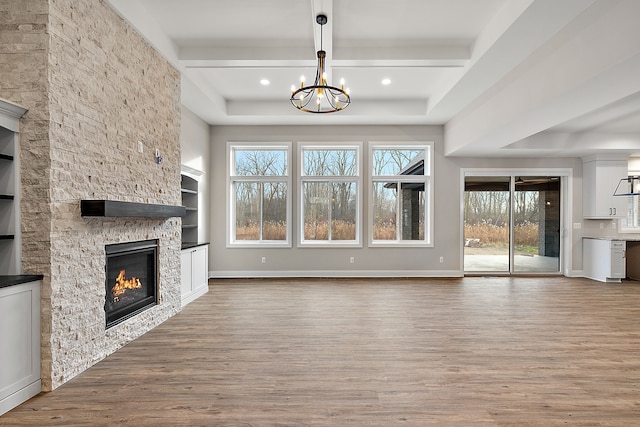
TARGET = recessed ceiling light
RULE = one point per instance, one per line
(264, 82)
(386, 82)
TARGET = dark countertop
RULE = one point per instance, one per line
(190, 245)
(18, 279)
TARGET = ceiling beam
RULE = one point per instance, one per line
(579, 143)
(583, 68)
(437, 54)
(323, 37)
(363, 108)
(511, 36)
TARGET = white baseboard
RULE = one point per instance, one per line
(20, 396)
(576, 273)
(191, 296)
(333, 274)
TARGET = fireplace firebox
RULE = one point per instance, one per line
(131, 280)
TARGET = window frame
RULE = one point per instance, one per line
(231, 195)
(302, 179)
(427, 179)
(635, 210)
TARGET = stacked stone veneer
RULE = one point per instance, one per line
(94, 89)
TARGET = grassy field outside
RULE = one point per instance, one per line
(316, 230)
(489, 239)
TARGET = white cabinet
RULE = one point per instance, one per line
(604, 260)
(195, 273)
(20, 344)
(600, 179)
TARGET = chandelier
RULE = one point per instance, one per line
(320, 97)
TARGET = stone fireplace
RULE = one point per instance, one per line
(131, 284)
(100, 102)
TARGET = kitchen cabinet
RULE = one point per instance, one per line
(20, 337)
(604, 259)
(600, 179)
(195, 272)
(632, 255)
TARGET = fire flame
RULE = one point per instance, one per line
(122, 284)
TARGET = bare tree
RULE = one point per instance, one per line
(271, 196)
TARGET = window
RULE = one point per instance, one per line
(329, 201)
(259, 201)
(401, 194)
(631, 224)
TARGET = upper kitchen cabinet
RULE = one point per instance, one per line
(601, 176)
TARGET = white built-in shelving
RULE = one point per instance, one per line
(10, 243)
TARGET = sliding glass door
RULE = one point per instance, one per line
(512, 224)
(487, 218)
(536, 224)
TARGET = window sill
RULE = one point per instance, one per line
(327, 244)
(261, 245)
(404, 244)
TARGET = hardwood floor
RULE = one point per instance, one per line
(480, 351)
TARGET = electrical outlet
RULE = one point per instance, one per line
(264, 259)
(441, 259)
(140, 147)
(602, 226)
(352, 260)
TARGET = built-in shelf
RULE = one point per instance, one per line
(10, 233)
(189, 188)
(115, 209)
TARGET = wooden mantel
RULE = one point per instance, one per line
(115, 209)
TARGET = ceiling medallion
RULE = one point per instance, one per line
(328, 99)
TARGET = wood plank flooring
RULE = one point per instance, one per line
(478, 351)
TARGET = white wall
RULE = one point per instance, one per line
(574, 237)
(294, 261)
(195, 153)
